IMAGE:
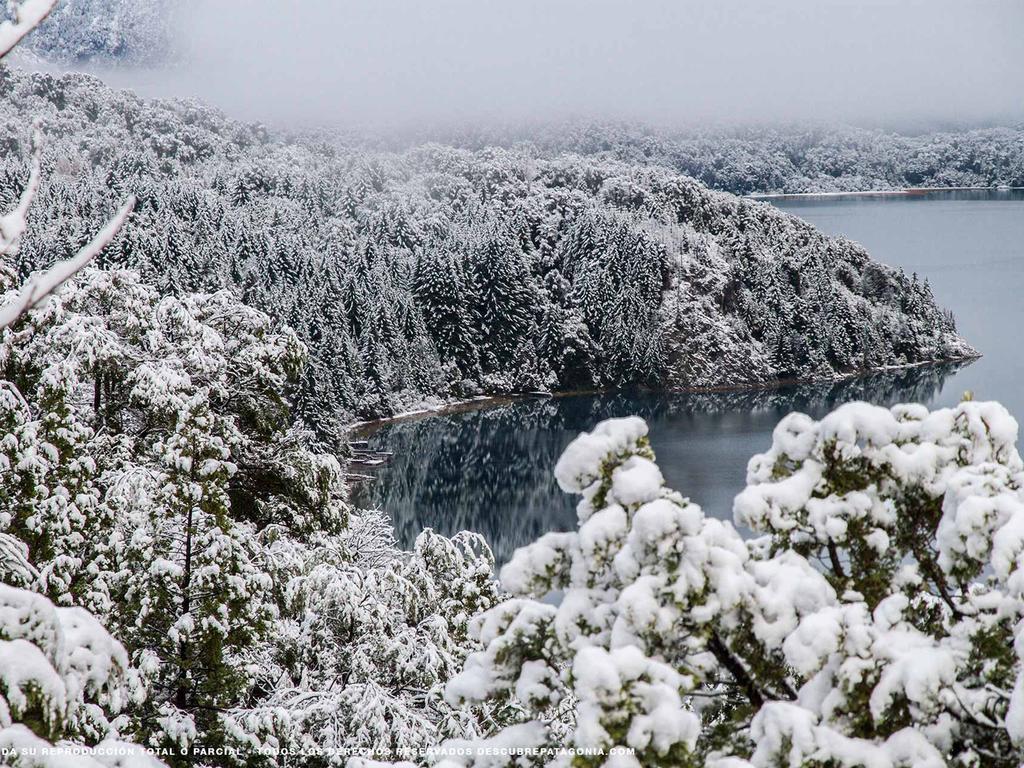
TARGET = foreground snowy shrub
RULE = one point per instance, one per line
(61, 675)
(153, 473)
(362, 658)
(875, 620)
(145, 428)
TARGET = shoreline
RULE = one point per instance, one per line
(901, 192)
(364, 429)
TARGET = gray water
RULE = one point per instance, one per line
(489, 470)
(970, 247)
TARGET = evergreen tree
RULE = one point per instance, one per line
(441, 290)
(872, 621)
(504, 300)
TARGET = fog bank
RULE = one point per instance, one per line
(668, 61)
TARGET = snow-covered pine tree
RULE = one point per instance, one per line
(563, 339)
(49, 493)
(63, 678)
(442, 290)
(873, 619)
(180, 390)
(378, 373)
(504, 299)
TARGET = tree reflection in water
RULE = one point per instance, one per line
(490, 470)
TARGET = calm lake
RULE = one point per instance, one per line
(490, 470)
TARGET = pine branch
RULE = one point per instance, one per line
(737, 669)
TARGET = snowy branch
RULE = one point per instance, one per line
(41, 284)
(27, 16)
(13, 224)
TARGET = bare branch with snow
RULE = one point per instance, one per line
(41, 284)
(13, 224)
(28, 14)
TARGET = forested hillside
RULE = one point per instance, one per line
(772, 159)
(438, 273)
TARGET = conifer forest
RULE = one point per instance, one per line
(334, 445)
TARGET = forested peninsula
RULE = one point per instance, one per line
(430, 273)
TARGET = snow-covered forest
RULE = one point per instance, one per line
(192, 311)
(439, 273)
(155, 478)
(786, 158)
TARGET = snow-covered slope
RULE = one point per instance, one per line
(443, 272)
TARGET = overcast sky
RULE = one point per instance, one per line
(674, 61)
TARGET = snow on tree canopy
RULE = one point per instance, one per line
(581, 463)
(60, 671)
(155, 475)
(433, 273)
(792, 159)
(874, 618)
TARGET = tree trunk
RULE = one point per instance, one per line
(181, 694)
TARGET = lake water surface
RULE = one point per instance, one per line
(490, 469)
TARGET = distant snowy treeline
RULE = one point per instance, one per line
(440, 272)
(773, 159)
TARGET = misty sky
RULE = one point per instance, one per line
(669, 61)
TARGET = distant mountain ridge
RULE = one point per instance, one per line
(437, 273)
